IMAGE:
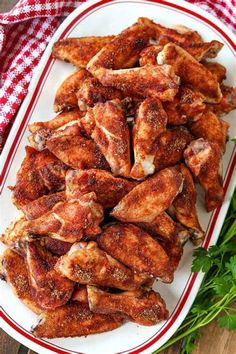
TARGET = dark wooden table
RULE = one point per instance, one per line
(212, 341)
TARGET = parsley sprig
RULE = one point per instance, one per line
(217, 293)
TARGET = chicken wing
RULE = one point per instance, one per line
(204, 160)
(150, 198)
(150, 122)
(50, 288)
(216, 69)
(78, 51)
(13, 269)
(55, 246)
(170, 147)
(109, 189)
(174, 250)
(92, 91)
(137, 250)
(77, 152)
(80, 293)
(66, 93)
(227, 103)
(145, 307)
(149, 55)
(211, 128)
(184, 209)
(187, 105)
(107, 125)
(15, 233)
(191, 71)
(85, 263)
(74, 319)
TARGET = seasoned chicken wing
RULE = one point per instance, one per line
(109, 189)
(204, 160)
(80, 293)
(191, 71)
(150, 122)
(55, 246)
(77, 152)
(50, 288)
(211, 128)
(15, 233)
(85, 263)
(170, 147)
(184, 206)
(174, 250)
(149, 198)
(136, 249)
(107, 125)
(74, 319)
(216, 69)
(149, 55)
(66, 93)
(227, 103)
(145, 307)
(78, 51)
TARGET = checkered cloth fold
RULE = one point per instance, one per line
(25, 32)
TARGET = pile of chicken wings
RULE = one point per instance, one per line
(107, 187)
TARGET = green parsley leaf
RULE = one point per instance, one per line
(231, 265)
(228, 320)
(222, 285)
(202, 261)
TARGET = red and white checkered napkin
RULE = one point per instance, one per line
(25, 32)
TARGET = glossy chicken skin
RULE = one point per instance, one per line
(50, 288)
(204, 160)
(78, 51)
(170, 147)
(227, 103)
(65, 97)
(72, 320)
(106, 122)
(136, 249)
(191, 71)
(109, 189)
(149, 198)
(150, 122)
(86, 263)
(145, 307)
(77, 152)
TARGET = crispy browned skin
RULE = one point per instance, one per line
(42, 205)
(149, 198)
(78, 51)
(70, 220)
(77, 152)
(184, 206)
(211, 128)
(150, 122)
(92, 91)
(191, 71)
(170, 147)
(227, 103)
(109, 189)
(14, 233)
(55, 246)
(74, 319)
(136, 249)
(183, 36)
(50, 288)
(15, 272)
(204, 160)
(149, 55)
(106, 122)
(40, 172)
(80, 293)
(145, 307)
(216, 69)
(85, 263)
(66, 93)
(174, 250)
(186, 106)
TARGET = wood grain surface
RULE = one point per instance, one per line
(213, 340)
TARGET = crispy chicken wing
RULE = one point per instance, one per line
(227, 103)
(107, 125)
(136, 249)
(109, 189)
(77, 152)
(145, 307)
(78, 51)
(50, 288)
(184, 206)
(204, 160)
(66, 93)
(211, 128)
(191, 71)
(149, 198)
(149, 55)
(15, 233)
(74, 319)
(55, 246)
(170, 147)
(150, 122)
(216, 69)
(80, 293)
(85, 263)
(174, 250)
